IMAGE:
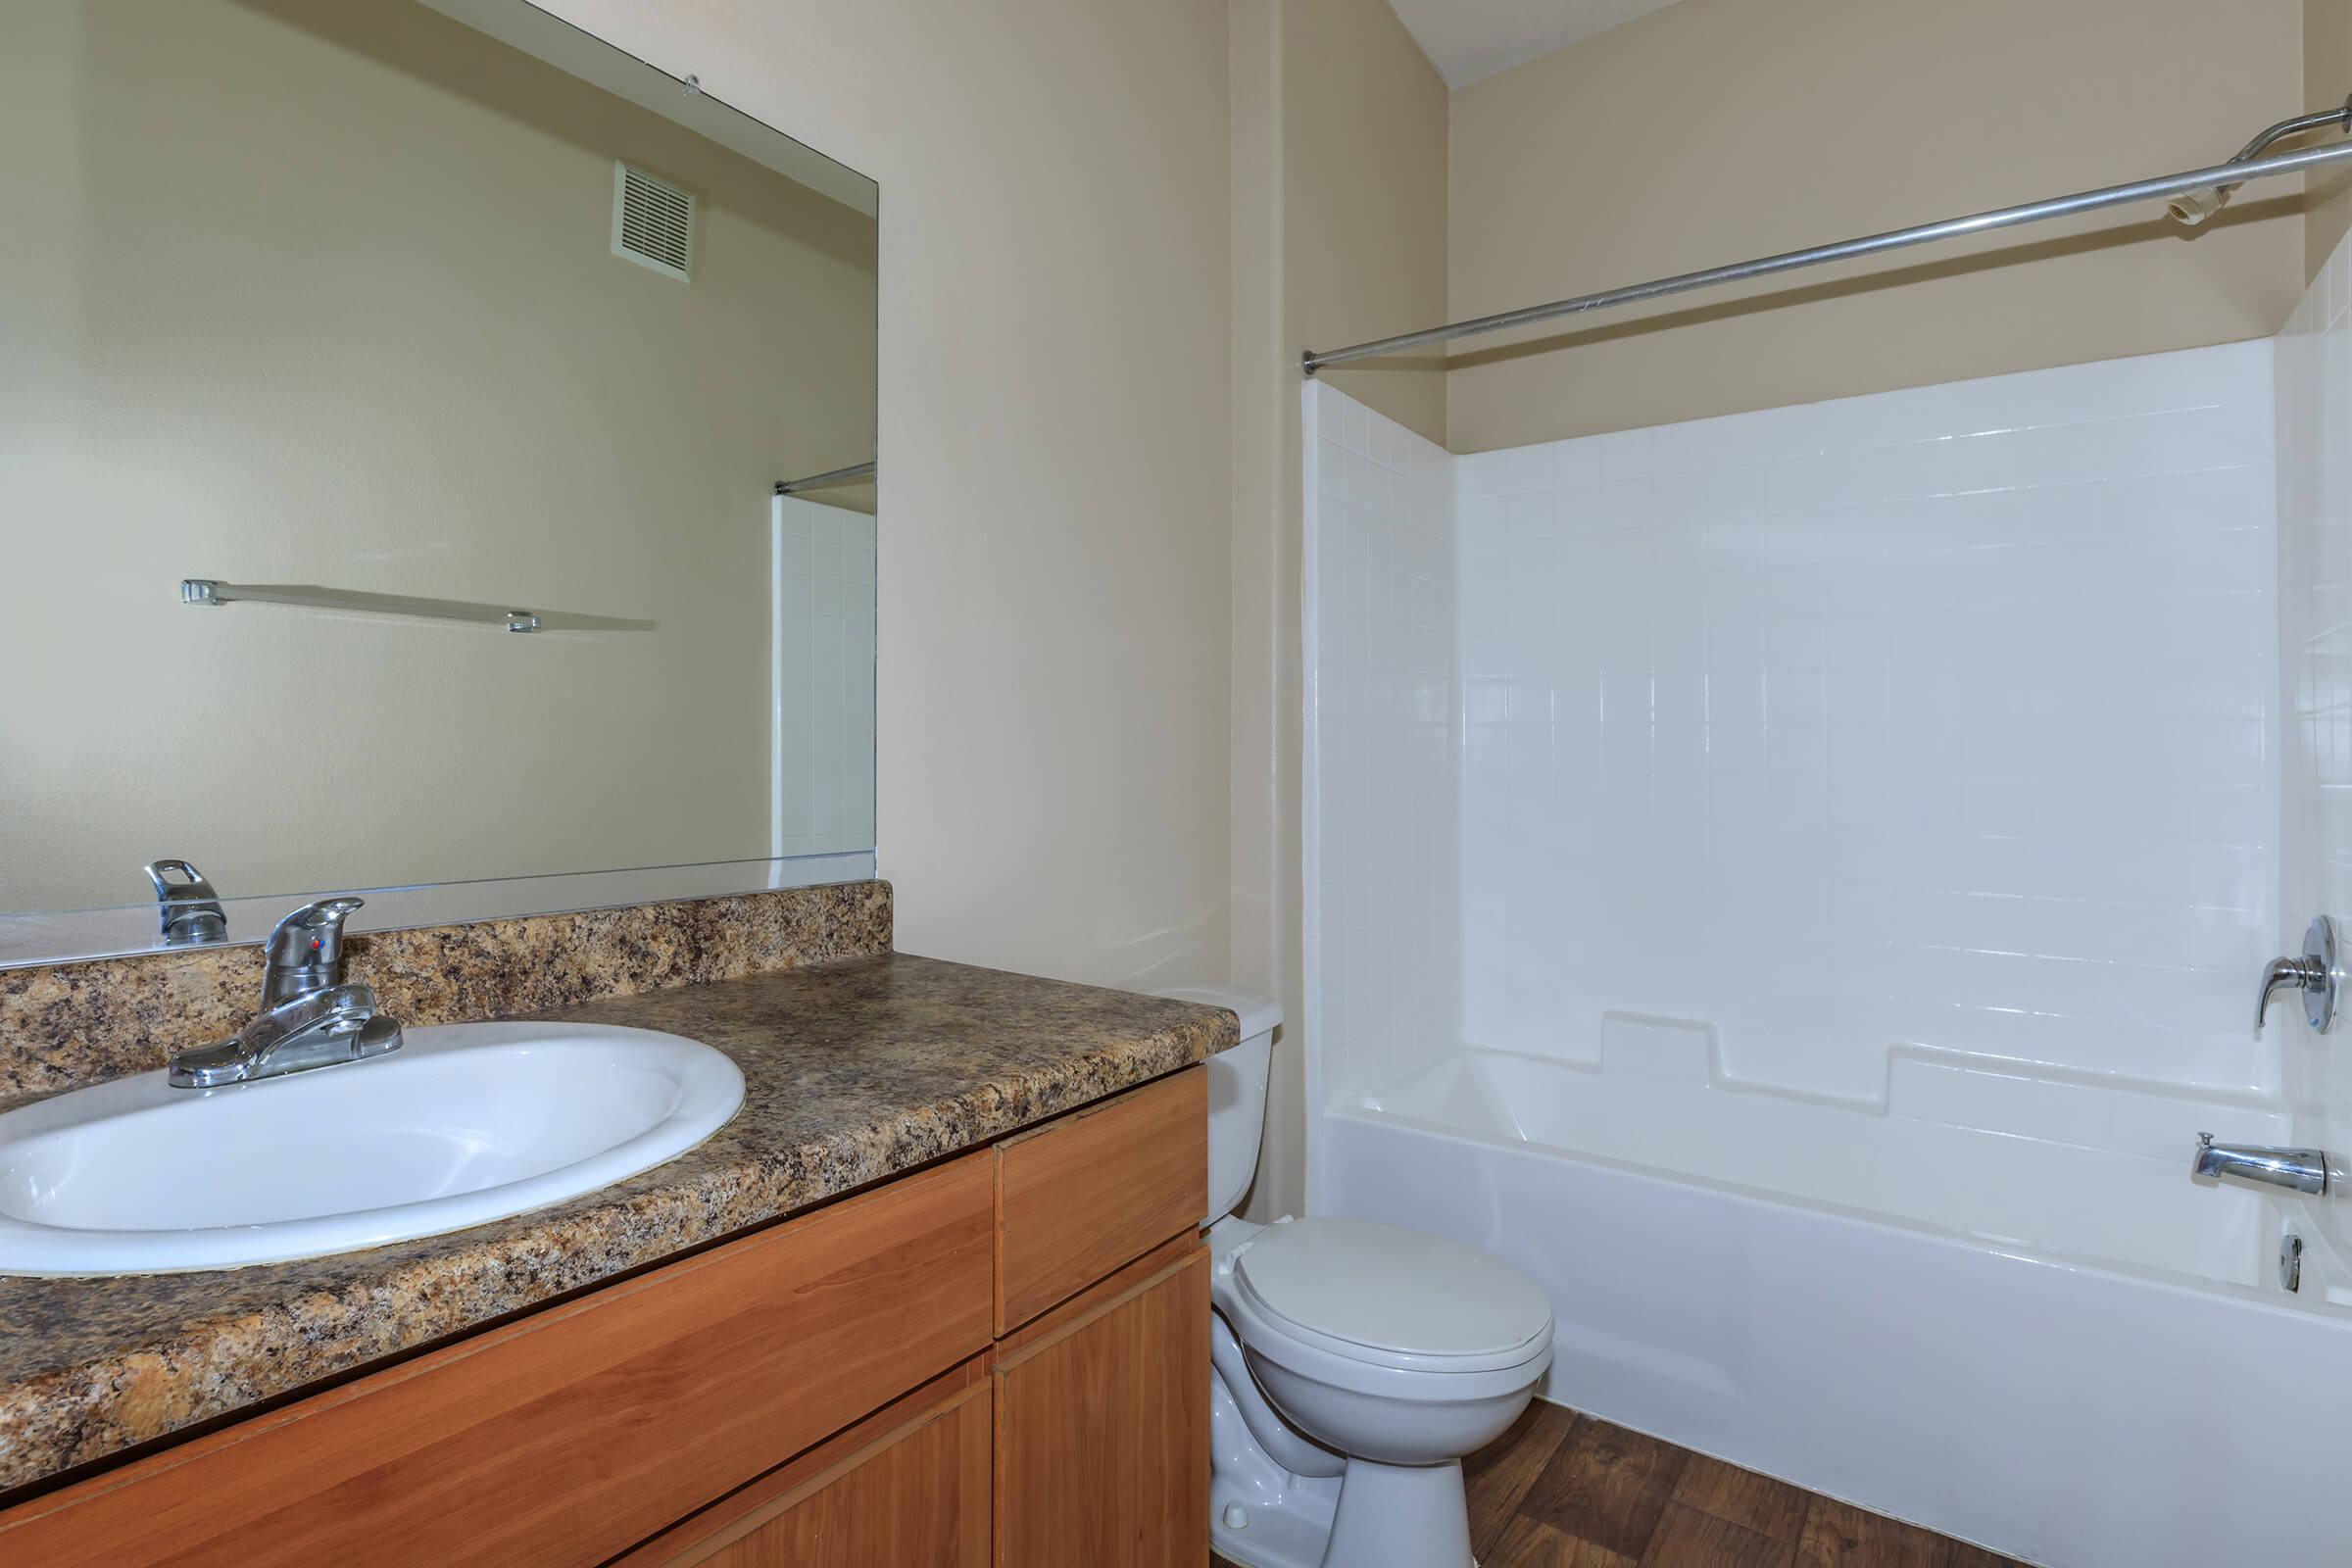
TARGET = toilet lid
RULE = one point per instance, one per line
(1393, 1297)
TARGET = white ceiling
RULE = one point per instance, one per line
(1467, 40)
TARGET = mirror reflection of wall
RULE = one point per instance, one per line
(325, 294)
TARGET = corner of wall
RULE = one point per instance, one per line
(2327, 79)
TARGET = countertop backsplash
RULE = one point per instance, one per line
(64, 1025)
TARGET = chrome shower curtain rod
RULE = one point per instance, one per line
(2196, 182)
(818, 481)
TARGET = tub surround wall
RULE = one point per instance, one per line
(854, 1071)
(1933, 721)
(2314, 566)
(1382, 974)
(1907, 755)
(67, 1024)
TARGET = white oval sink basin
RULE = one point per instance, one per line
(465, 1123)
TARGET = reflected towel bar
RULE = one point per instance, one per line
(2219, 178)
(206, 591)
(818, 481)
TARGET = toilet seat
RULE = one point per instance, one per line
(1379, 1295)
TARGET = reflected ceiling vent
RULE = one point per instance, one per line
(653, 221)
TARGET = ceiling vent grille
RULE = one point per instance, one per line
(653, 221)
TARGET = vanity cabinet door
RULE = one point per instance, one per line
(907, 1487)
(1102, 1423)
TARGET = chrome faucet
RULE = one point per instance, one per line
(305, 951)
(2299, 1170)
(309, 1017)
(189, 908)
(2318, 974)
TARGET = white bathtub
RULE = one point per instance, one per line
(1935, 1307)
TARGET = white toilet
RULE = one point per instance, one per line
(1354, 1364)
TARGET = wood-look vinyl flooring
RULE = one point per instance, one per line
(1561, 1490)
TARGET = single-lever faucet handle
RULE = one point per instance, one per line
(189, 908)
(304, 952)
(2283, 975)
(2318, 974)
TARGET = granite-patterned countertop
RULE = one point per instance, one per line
(853, 1072)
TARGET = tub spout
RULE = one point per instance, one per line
(2299, 1170)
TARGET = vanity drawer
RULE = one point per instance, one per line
(573, 1435)
(1081, 1196)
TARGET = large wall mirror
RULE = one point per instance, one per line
(401, 405)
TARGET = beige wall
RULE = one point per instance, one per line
(2327, 79)
(299, 291)
(1262, 849)
(1056, 584)
(1365, 197)
(1719, 130)
(1339, 201)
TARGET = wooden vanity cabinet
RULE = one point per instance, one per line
(1102, 1359)
(1102, 1423)
(846, 1387)
(1091, 1191)
(573, 1434)
(1082, 1439)
(910, 1484)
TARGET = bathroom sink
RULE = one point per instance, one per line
(465, 1124)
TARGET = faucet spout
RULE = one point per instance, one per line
(2298, 1170)
(309, 1017)
(319, 1029)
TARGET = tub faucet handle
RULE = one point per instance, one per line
(2318, 975)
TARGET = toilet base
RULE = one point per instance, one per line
(1369, 1516)
(1400, 1517)
(1278, 1537)
(1260, 1515)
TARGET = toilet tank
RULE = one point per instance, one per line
(1237, 1093)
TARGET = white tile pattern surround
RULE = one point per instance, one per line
(2314, 400)
(1382, 747)
(1941, 718)
(1917, 746)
